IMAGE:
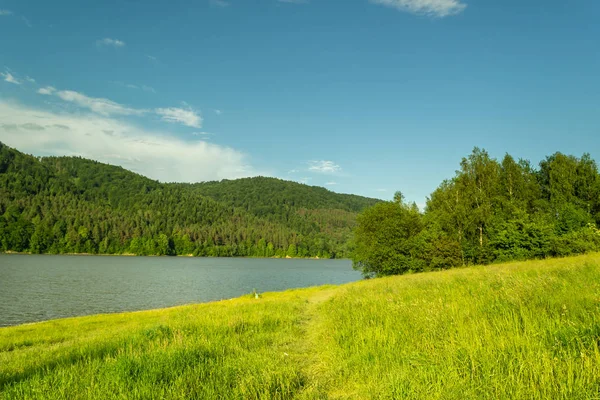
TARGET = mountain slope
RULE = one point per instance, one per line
(310, 210)
(266, 196)
(74, 205)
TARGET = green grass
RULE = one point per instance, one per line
(526, 330)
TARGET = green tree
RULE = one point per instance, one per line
(163, 245)
(385, 240)
(291, 250)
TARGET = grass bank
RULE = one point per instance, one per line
(517, 331)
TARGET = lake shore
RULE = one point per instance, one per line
(463, 333)
(179, 255)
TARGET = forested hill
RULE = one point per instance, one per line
(74, 205)
(268, 196)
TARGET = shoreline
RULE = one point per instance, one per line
(25, 253)
(242, 297)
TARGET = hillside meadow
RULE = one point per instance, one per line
(526, 330)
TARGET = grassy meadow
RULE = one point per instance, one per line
(527, 330)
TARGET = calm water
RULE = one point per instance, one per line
(37, 288)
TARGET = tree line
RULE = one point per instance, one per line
(490, 211)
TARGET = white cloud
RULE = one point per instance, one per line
(381, 190)
(218, 112)
(434, 8)
(4, 12)
(202, 134)
(101, 106)
(331, 183)
(220, 3)
(48, 90)
(8, 77)
(304, 180)
(151, 58)
(324, 167)
(30, 126)
(146, 88)
(154, 154)
(105, 107)
(110, 42)
(187, 117)
(29, 79)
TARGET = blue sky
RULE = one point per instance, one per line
(360, 96)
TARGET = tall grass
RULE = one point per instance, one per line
(230, 349)
(522, 331)
(517, 331)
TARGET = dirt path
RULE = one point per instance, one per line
(306, 350)
(322, 296)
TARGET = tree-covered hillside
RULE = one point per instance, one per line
(268, 197)
(490, 211)
(74, 205)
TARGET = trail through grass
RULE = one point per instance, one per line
(516, 331)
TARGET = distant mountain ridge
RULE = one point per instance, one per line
(75, 205)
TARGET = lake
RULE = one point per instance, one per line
(42, 287)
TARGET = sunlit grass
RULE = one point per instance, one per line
(520, 331)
